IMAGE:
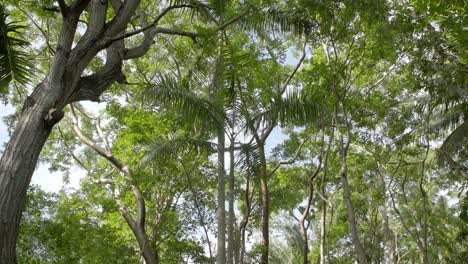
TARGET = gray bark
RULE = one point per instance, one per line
(64, 84)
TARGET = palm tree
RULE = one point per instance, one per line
(14, 61)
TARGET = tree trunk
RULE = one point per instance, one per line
(323, 224)
(221, 254)
(323, 187)
(232, 216)
(389, 236)
(18, 163)
(142, 239)
(245, 221)
(303, 228)
(265, 204)
(358, 249)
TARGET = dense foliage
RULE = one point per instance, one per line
(186, 161)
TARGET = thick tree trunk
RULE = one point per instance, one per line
(18, 163)
(221, 254)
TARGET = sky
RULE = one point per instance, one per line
(48, 181)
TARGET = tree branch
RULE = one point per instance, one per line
(290, 161)
(153, 23)
(63, 8)
(233, 20)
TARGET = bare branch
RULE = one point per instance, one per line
(290, 161)
(104, 181)
(298, 65)
(233, 20)
(153, 23)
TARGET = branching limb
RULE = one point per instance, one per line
(63, 7)
(290, 161)
(153, 23)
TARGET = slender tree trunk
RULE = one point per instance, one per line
(323, 217)
(265, 204)
(389, 237)
(232, 216)
(303, 228)
(358, 249)
(140, 235)
(245, 221)
(323, 226)
(17, 166)
(221, 254)
(237, 245)
(137, 224)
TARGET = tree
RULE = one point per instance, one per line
(68, 80)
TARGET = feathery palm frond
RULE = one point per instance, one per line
(248, 158)
(271, 18)
(455, 145)
(176, 95)
(14, 62)
(176, 145)
(296, 107)
(450, 118)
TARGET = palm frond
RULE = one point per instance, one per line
(15, 64)
(297, 107)
(171, 93)
(449, 119)
(248, 158)
(266, 19)
(176, 145)
(455, 145)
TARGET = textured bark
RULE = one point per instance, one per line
(64, 84)
(16, 168)
(41, 111)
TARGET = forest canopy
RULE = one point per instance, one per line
(261, 131)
